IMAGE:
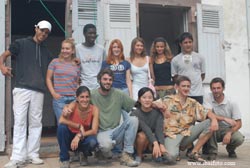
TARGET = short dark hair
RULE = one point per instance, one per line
(185, 35)
(103, 72)
(217, 80)
(87, 27)
(82, 89)
(181, 78)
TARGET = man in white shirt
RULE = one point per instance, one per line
(191, 64)
(91, 56)
(229, 118)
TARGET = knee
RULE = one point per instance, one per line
(105, 143)
(239, 140)
(62, 128)
(93, 143)
(133, 121)
(141, 137)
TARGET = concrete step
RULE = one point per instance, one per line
(49, 147)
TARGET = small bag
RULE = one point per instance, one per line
(150, 81)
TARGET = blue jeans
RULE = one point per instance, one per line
(58, 105)
(125, 134)
(65, 136)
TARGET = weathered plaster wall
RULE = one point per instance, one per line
(236, 56)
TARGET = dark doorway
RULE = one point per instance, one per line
(162, 21)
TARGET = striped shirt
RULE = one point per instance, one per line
(65, 77)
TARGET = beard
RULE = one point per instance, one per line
(103, 88)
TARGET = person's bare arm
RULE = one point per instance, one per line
(4, 69)
(228, 135)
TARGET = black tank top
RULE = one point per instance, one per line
(162, 74)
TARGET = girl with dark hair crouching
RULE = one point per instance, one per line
(78, 127)
(150, 132)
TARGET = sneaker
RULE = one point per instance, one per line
(189, 149)
(195, 157)
(74, 157)
(100, 157)
(127, 160)
(232, 154)
(14, 164)
(83, 159)
(178, 158)
(65, 164)
(35, 161)
(168, 159)
(138, 159)
(212, 156)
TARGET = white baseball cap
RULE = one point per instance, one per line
(44, 25)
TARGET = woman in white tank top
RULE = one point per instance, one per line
(139, 66)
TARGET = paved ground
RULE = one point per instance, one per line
(222, 161)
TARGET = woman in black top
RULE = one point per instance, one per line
(160, 67)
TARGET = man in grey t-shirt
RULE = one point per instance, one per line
(191, 64)
(91, 56)
(229, 118)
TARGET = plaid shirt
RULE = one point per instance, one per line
(182, 117)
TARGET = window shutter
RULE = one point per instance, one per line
(210, 40)
(120, 22)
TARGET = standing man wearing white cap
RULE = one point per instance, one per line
(32, 59)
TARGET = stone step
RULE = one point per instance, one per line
(49, 147)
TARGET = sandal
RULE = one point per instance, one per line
(195, 157)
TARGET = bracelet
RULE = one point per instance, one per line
(79, 136)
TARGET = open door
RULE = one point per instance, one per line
(210, 40)
(2, 79)
(120, 22)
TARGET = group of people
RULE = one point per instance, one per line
(103, 102)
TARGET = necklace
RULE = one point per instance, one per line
(83, 112)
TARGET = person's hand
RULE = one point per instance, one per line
(227, 138)
(75, 142)
(162, 148)
(56, 96)
(156, 150)
(66, 111)
(6, 71)
(152, 81)
(77, 61)
(230, 121)
(167, 113)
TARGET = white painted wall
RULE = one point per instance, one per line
(2, 78)
(236, 56)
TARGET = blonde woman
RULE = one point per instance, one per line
(63, 76)
(139, 65)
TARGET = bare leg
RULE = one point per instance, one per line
(201, 141)
(141, 143)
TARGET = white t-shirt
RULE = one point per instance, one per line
(192, 67)
(226, 108)
(91, 62)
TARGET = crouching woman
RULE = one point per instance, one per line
(78, 128)
(150, 132)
